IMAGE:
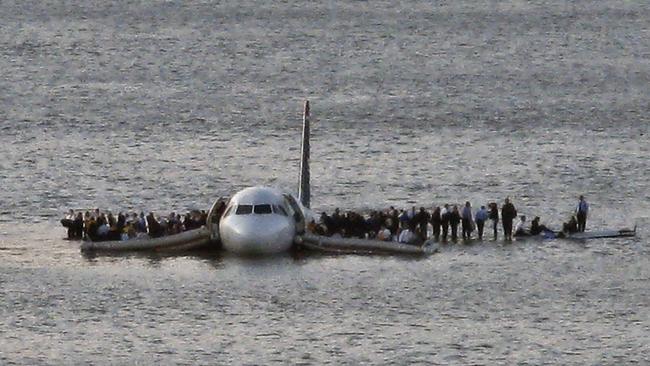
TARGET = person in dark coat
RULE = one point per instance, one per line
(445, 215)
(536, 228)
(466, 217)
(454, 221)
(435, 222)
(155, 229)
(494, 217)
(68, 222)
(337, 222)
(421, 219)
(121, 221)
(394, 221)
(78, 226)
(508, 213)
(582, 210)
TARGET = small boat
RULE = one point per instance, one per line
(191, 239)
(352, 245)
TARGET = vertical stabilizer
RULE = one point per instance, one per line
(304, 193)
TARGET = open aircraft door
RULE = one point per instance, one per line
(214, 216)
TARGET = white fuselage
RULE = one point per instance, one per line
(258, 220)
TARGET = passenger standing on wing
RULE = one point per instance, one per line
(435, 222)
(494, 216)
(466, 217)
(68, 222)
(582, 210)
(79, 225)
(87, 219)
(155, 229)
(411, 214)
(445, 214)
(454, 220)
(394, 221)
(141, 227)
(480, 218)
(423, 223)
(508, 213)
(337, 222)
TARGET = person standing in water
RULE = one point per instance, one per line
(508, 213)
(582, 210)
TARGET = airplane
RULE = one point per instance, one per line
(262, 220)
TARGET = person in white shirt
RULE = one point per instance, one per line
(406, 236)
(520, 228)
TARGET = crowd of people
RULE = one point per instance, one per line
(412, 226)
(405, 226)
(97, 225)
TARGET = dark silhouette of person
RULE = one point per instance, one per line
(445, 216)
(421, 219)
(78, 225)
(436, 222)
(480, 218)
(582, 210)
(466, 217)
(454, 221)
(155, 229)
(508, 214)
(494, 217)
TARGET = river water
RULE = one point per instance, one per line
(165, 106)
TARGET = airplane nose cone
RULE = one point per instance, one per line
(256, 235)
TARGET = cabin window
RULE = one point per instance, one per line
(278, 209)
(244, 209)
(262, 209)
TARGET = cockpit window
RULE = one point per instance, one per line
(262, 209)
(278, 209)
(244, 209)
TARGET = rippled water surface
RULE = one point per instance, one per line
(168, 105)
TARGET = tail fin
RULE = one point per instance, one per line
(304, 192)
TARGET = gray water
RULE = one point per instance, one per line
(166, 106)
